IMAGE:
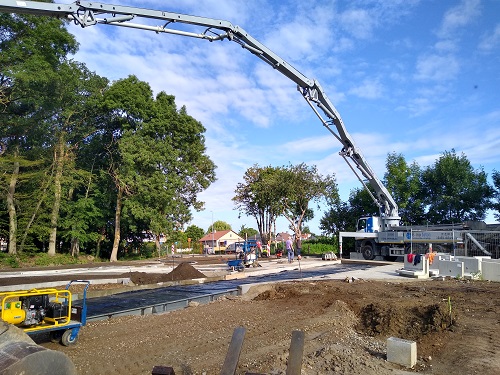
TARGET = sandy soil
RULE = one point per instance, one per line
(456, 325)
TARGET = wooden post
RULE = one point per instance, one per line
(233, 353)
(162, 370)
(295, 355)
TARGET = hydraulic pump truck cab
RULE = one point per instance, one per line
(46, 310)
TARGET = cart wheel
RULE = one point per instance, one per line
(55, 336)
(66, 338)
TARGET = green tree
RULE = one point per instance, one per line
(496, 194)
(72, 121)
(343, 216)
(300, 186)
(247, 232)
(259, 196)
(218, 226)
(29, 66)
(269, 192)
(454, 191)
(404, 183)
(195, 233)
(158, 158)
(337, 219)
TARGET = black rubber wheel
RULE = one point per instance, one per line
(55, 336)
(66, 338)
(368, 252)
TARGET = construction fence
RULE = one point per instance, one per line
(472, 243)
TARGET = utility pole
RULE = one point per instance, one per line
(213, 232)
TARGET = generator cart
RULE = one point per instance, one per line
(46, 310)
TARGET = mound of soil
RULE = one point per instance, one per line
(183, 271)
(411, 323)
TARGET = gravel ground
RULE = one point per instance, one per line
(346, 325)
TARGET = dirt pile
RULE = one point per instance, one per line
(183, 271)
(413, 323)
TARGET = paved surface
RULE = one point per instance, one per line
(306, 268)
(161, 298)
(158, 298)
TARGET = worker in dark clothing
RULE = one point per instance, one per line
(298, 245)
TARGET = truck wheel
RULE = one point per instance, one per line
(368, 252)
(66, 338)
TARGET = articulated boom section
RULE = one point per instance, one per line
(352, 154)
(86, 14)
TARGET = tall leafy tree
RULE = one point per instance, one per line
(218, 225)
(247, 232)
(259, 196)
(72, 121)
(455, 191)
(496, 194)
(337, 219)
(403, 180)
(195, 233)
(158, 159)
(343, 216)
(269, 192)
(302, 185)
(32, 50)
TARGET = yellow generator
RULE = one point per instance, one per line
(48, 309)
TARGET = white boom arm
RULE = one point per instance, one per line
(86, 13)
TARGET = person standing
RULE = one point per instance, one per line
(289, 250)
(298, 245)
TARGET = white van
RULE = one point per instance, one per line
(233, 248)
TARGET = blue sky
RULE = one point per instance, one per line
(407, 76)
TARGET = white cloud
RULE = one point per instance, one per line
(309, 32)
(458, 17)
(490, 41)
(368, 89)
(358, 22)
(437, 68)
(446, 46)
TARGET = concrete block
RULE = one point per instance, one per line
(439, 257)
(419, 270)
(471, 265)
(492, 260)
(402, 352)
(451, 268)
(355, 255)
(490, 270)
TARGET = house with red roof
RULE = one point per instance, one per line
(219, 240)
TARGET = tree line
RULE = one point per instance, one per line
(446, 192)
(449, 191)
(83, 159)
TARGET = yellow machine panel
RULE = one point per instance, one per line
(36, 309)
(13, 313)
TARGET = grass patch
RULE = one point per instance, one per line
(26, 260)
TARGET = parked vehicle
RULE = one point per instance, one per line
(208, 250)
(234, 248)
